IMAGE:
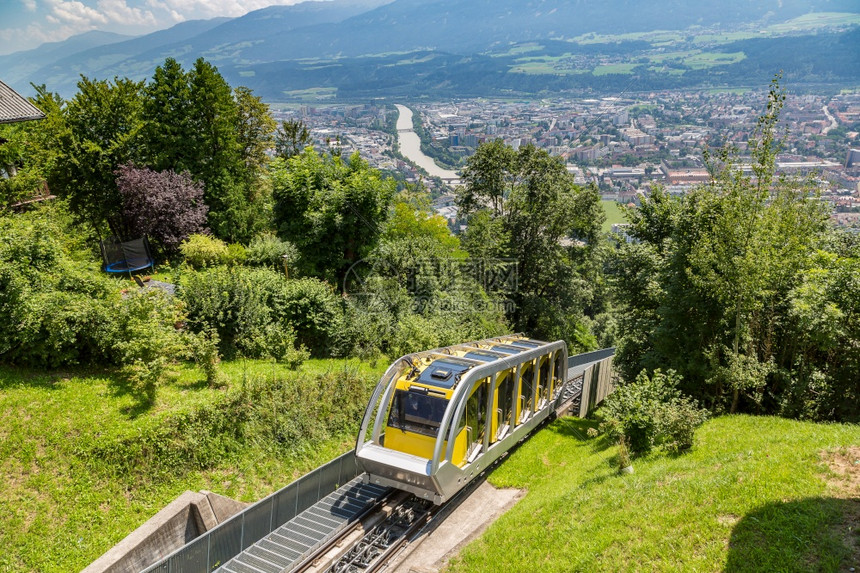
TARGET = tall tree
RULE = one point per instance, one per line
(168, 134)
(100, 133)
(718, 266)
(523, 206)
(292, 138)
(254, 131)
(332, 210)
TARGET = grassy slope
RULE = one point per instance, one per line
(750, 496)
(60, 509)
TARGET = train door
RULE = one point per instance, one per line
(525, 405)
(504, 403)
(543, 385)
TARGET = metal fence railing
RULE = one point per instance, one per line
(580, 359)
(596, 385)
(228, 539)
(225, 541)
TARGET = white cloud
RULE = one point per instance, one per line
(212, 8)
(75, 14)
(56, 20)
(119, 12)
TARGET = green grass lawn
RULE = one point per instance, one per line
(61, 506)
(752, 495)
(614, 215)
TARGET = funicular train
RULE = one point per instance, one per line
(438, 418)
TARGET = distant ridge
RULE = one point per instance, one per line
(355, 48)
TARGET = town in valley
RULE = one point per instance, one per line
(625, 145)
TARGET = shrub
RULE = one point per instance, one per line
(651, 412)
(201, 251)
(236, 254)
(147, 342)
(163, 205)
(278, 342)
(228, 302)
(270, 251)
(54, 310)
(204, 351)
(245, 308)
(314, 311)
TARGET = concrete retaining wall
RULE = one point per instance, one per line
(182, 520)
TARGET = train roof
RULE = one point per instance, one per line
(507, 348)
(444, 372)
(484, 355)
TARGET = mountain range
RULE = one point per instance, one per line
(355, 49)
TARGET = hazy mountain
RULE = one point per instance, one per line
(348, 45)
(23, 66)
(101, 61)
(476, 25)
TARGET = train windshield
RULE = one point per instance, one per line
(417, 412)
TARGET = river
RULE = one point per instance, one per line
(410, 146)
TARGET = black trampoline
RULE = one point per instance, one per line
(126, 257)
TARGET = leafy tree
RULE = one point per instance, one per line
(21, 168)
(523, 206)
(197, 123)
(824, 343)
(291, 138)
(706, 290)
(332, 210)
(254, 133)
(99, 133)
(165, 206)
(412, 217)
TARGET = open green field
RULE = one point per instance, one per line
(83, 463)
(607, 69)
(312, 94)
(614, 215)
(545, 66)
(754, 494)
(815, 21)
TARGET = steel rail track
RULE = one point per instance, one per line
(397, 519)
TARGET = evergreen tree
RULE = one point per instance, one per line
(168, 133)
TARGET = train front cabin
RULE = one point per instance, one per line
(438, 418)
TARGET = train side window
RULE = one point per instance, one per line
(527, 374)
(504, 405)
(543, 382)
(476, 419)
(560, 373)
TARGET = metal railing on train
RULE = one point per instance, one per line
(228, 539)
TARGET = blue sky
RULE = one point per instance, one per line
(25, 24)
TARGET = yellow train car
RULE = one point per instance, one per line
(437, 418)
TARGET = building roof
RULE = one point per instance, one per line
(15, 108)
